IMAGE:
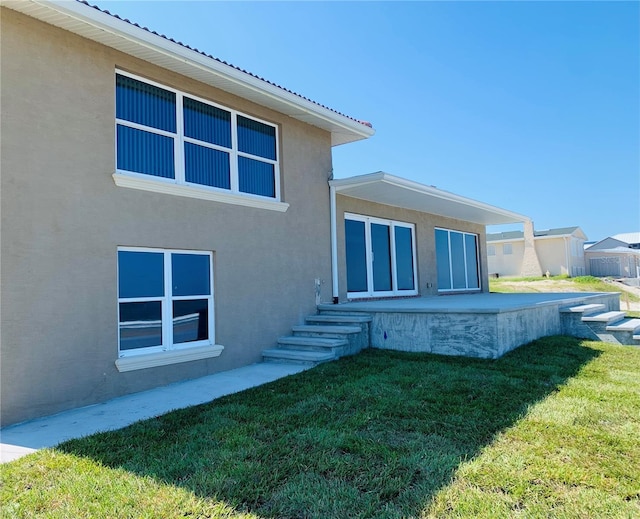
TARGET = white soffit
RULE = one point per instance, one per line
(96, 25)
(383, 188)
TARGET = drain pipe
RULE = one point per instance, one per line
(334, 246)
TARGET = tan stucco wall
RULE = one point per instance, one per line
(507, 264)
(63, 219)
(554, 255)
(425, 224)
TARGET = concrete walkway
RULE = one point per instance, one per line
(24, 438)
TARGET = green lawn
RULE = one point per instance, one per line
(578, 284)
(549, 430)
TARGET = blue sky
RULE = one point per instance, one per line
(529, 106)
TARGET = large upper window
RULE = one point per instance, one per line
(457, 260)
(165, 300)
(177, 138)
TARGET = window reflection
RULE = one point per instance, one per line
(190, 321)
(190, 274)
(140, 325)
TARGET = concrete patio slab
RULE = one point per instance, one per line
(27, 437)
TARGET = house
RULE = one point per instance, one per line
(615, 256)
(557, 251)
(166, 215)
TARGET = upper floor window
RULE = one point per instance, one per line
(491, 250)
(507, 248)
(178, 138)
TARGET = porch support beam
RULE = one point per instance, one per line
(334, 247)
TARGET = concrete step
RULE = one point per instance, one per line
(606, 317)
(328, 331)
(628, 325)
(624, 332)
(339, 318)
(297, 356)
(312, 343)
(583, 309)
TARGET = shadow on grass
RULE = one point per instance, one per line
(375, 435)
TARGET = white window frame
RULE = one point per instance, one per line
(491, 250)
(507, 249)
(477, 260)
(168, 352)
(368, 220)
(178, 185)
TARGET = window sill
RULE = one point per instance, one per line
(170, 188)
(165, 358)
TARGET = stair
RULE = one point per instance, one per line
(322, 339)
(626, 331)
(590, 322)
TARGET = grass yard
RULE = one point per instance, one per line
(559, 284)
(549, 430)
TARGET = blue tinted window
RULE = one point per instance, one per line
(256, 138)
(190, 320)
(207, 123)
(256, 177)
(145, 152)
(356, 256)
(140, 274)
(442, 259)
(145, 104)
(381, 247)
(206, 166)
(404, 258)
(190, 275)
(140, 325)
(458, 267)
(473, 280)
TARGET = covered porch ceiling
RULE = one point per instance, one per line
(383, 188)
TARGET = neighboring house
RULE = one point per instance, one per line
(558, 251)
(166, 215)
(615, 256)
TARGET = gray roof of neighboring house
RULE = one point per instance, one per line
(518, 235)
(628, 237)
(615, 250)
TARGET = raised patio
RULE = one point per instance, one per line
(481, 325)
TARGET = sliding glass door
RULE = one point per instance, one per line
(457, 260)
(381, 258)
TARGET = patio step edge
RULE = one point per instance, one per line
(631, 325)
(606, 317)
(297, 356)
(588, 309)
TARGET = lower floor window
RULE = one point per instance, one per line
(457, 260)
(380, 257)
(165, 300)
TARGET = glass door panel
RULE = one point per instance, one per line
(356, 251)
(471, 249)
(458, 267)
(381, 248)
(442, 259)
(404, 258)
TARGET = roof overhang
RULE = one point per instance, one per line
(616, 250)
(104, 28)
(383, 188)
